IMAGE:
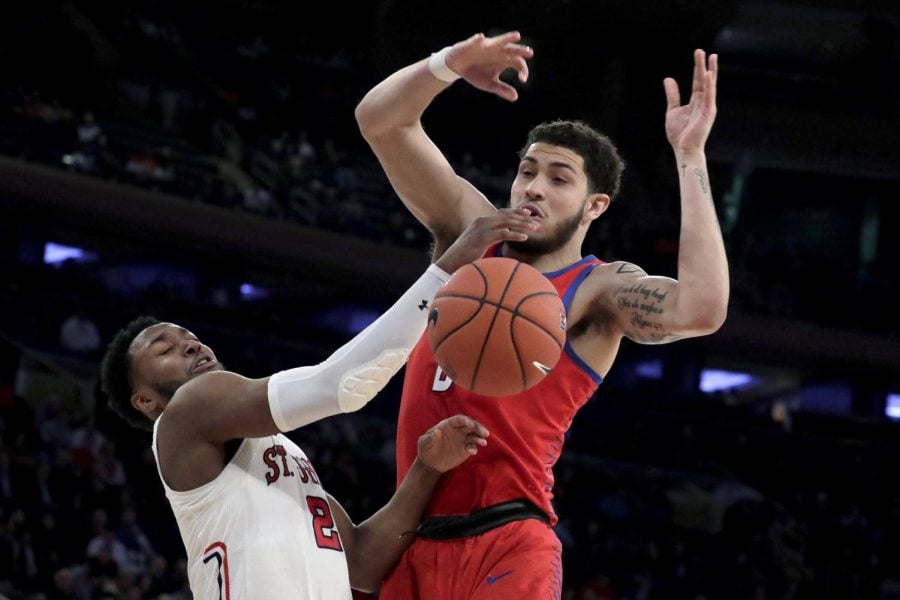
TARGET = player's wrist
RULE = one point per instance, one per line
(692, 155)
(437, 64)
(424, 469)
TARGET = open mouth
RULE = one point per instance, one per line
(535, 211)
(204, 363)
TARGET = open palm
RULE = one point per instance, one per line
(688, 126)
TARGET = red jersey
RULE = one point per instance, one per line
(527, 429)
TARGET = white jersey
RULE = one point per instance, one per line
(262, 529)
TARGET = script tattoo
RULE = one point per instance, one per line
(645, 305)
(704, 181)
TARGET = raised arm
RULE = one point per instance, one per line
(389, 117)
(375, 545)
(659, 309)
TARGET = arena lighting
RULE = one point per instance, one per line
(348, 319)
(717, 380)
(892, 406)
(55, 254)
(711, 380)
(649, 369)
(250, 291)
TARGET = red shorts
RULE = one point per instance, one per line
(522, 559)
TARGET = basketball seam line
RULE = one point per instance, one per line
(514, 311)
(487, 335)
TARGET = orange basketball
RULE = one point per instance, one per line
(497, 327)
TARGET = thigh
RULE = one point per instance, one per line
(425, 572)
(519, 560)
(522, 560)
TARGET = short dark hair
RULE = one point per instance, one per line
(115, 373)
(603, 164)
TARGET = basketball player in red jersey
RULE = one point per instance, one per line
(487, 530)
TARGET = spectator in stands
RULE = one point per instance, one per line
(78, 333)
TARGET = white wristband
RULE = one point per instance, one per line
(437, 64)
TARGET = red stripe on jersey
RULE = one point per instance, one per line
(215, 550)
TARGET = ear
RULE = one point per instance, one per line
(596, 205)
(142, 402)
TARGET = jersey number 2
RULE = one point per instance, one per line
(323, 524)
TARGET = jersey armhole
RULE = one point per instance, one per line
(567, 304)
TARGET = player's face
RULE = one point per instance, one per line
(551, 182)
(165, 356)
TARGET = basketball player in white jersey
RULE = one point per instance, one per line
(253, 515)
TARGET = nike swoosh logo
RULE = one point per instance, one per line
(492, 580)
(543, 368)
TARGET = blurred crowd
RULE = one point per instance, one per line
(229, 118)
(681, 501)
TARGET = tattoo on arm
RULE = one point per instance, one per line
(646, 305)
(704, 180)
(683, 168)
(629, 268)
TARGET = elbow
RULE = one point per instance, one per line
(711, 319)
(362, 119)
(367, 585)
(365, 566)
(365, 119)
(363, 577)
(703, 318)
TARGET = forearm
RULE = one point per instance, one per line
(353, 374)
(380, 540)
(703, 284)
(398, 101)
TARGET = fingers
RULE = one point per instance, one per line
(709, 98)
(516, 55)
(699, 71)
(510, 37)
(474, 434)
(473, 442)
(673, 96)
(467, 423)
(713, 75)
(458, 422)
(706, 73)
(521, 68)
(505, 91)
(441, 447)
(513, 224)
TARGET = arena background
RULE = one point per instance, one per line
(200, 162)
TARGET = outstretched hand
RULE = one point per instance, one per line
(481, 60)
(450, 442)
(688, 126)
(506, 224)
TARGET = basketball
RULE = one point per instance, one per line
(497, 327)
